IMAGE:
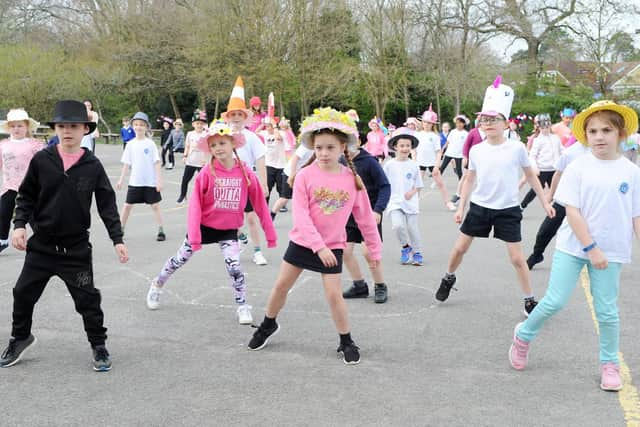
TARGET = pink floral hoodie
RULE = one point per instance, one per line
(218, 202)
(376, 144)
(15, 156)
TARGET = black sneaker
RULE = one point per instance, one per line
(261, 337)
(357, 291)
(533, 260)
(101, 359)
(350, 353)
(529, 305)
(380, 293)
(3, 246)
(446, 284)
(15, 350)
(161, 236)
(455, 198)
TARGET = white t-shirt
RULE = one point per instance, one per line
(545, 152)
(498, 169)
(304, 154)
(607, 192)
(141, 155)
(456, 140)
(428, 146)
(569, 155)
(275, 156)
(252, 150)
(403, 176)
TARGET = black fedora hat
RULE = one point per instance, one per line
(70, 111)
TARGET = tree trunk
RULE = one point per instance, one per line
(406, 100)
(174, 105)
(533, 65)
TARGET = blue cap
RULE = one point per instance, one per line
(141, 116)
(568, 112)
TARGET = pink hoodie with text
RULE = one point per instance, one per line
(322, 203)
(218, 202)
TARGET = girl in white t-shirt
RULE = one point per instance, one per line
(546, 149)
(601, 194)
(194, 159)
(145, 183)
(404, 176)
(275, 156)
(453, 147)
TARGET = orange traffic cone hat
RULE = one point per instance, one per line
(236, 102)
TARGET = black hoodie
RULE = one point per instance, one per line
(57, 204)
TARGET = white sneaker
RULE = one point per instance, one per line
(259, 259)
(433, 185)
(153, 296)
(244, 314)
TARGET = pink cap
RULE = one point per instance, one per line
(255, 101)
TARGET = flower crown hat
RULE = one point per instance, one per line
(328, 118)
(628, 114)
(18, 115)
(236, 101)
(219, 128)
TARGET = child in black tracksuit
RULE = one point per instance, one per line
(379, 192)
(55, 199)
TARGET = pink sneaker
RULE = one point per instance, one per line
(519, 351)
(610, 374)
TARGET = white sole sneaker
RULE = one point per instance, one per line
(19, 358)
(153, 296)
(244, 315)
(259, 259)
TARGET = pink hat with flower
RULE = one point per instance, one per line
(219, 128)
(430, 116)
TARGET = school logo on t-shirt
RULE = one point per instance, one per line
(226, 194)
(146, 151)
(329, 200)
(409, 175)
(624, 187)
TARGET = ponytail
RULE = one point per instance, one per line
(292, 178)
(244, 172)
(356, 177)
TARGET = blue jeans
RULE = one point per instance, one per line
(565, 272)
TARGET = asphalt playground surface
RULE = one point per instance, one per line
(423, 363)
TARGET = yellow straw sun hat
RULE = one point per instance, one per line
(628, 114)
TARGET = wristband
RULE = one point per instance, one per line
(588, 248)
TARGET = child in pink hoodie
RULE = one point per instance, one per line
(216, 211)
(376, 143)
(15, 154)
(325, 193)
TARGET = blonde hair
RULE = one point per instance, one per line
(344, 139)
(237, 161)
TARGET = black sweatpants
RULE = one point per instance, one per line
(548, 230)
(545, 178)
(189, 171)
(168, 148)
(458, 161)
(7, 206)
(72, 262)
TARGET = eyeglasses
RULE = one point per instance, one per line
(490, 120)
(177, 124)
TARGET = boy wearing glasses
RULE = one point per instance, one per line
(495, 164)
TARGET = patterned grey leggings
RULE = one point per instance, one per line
(231, 252)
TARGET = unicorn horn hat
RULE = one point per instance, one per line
(430, 116)
(498, 99)
(236, 101)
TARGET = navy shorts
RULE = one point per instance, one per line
(504, 222)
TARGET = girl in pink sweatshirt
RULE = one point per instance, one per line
(376, 143)
(15, 154)
(325, 193)
(216, 211)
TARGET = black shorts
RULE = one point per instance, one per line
(424, 168)
(353, 232)
(287, 191)
(302, 257)
(274, 179)
(147, 195)
(249, 207)
(212, 235)
(505, 223)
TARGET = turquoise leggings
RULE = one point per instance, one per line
(565, 272)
